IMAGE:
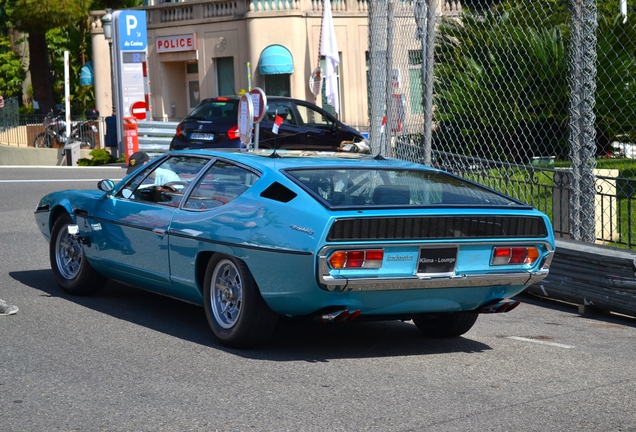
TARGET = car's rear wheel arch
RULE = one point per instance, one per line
(202, 261)
(201, 265)
(234, 307)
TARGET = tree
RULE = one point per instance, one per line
(502, 86)
(36, 17)
(11, 72)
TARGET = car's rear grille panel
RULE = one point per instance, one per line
(436, 227)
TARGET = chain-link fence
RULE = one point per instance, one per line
(536, 99)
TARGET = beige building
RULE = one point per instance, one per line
(199, 49)
(206, 48)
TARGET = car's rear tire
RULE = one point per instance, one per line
(446, 325)
(71, 270)
(236, 312)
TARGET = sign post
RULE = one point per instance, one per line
(245, 119)
(132, 90)
(259, 103)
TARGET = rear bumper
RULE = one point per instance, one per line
(332, 283)
(459, 281)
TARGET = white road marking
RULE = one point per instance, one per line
(54, 180)
(540, 342)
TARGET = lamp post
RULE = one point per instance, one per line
(111, 123)
(107, 25)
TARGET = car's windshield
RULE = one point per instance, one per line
(352, 187)
(217, 109)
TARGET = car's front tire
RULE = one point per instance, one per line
(236, 312)
(71, 270)
(446, 325)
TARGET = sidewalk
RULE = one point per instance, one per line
(23, 156)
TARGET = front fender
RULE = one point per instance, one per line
(78, 205)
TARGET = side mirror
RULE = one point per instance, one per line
(106, 185)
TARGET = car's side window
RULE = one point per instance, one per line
(221, 184)
(283, 109)
(313, 118)
(166, 183)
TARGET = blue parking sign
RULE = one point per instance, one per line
(132, 30)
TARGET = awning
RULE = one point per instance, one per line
(86, 74)
(276, 59)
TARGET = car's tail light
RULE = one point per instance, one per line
(179, 129)
(233, 133)
(346, 259)
(503, 255)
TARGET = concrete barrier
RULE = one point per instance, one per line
(30, 156)
(595, 277)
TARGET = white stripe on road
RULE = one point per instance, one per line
(540, 342)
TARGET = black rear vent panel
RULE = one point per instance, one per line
(436, 227)
(278, 192)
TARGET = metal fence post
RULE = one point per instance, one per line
(583, 119)
(377, 73)
(427, 75)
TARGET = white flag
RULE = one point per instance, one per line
(329, 49)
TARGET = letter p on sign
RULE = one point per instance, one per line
(131, 24)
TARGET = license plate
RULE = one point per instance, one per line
(202, 136)
(437, 260)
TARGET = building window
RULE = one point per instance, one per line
(192, 68)
(278, 85)
(225, 76)
(416, 87)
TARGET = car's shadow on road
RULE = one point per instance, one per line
(292, 341)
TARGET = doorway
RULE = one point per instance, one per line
(192, 84)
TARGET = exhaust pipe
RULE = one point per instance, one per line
(341, 315)
(500, 307)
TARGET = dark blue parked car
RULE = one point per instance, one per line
(214, 124)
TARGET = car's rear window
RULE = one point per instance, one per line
(353, 187)
(217, 109)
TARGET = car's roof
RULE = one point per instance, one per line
(286, 159)
(269, 99)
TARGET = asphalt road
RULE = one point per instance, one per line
(128, 360)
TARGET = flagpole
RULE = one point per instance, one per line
(318, 69)
(329, 49)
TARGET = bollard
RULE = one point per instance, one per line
(131, 136)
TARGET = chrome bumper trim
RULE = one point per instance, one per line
(493, 279)
(409, 283)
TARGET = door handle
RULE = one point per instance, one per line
(159, 232)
